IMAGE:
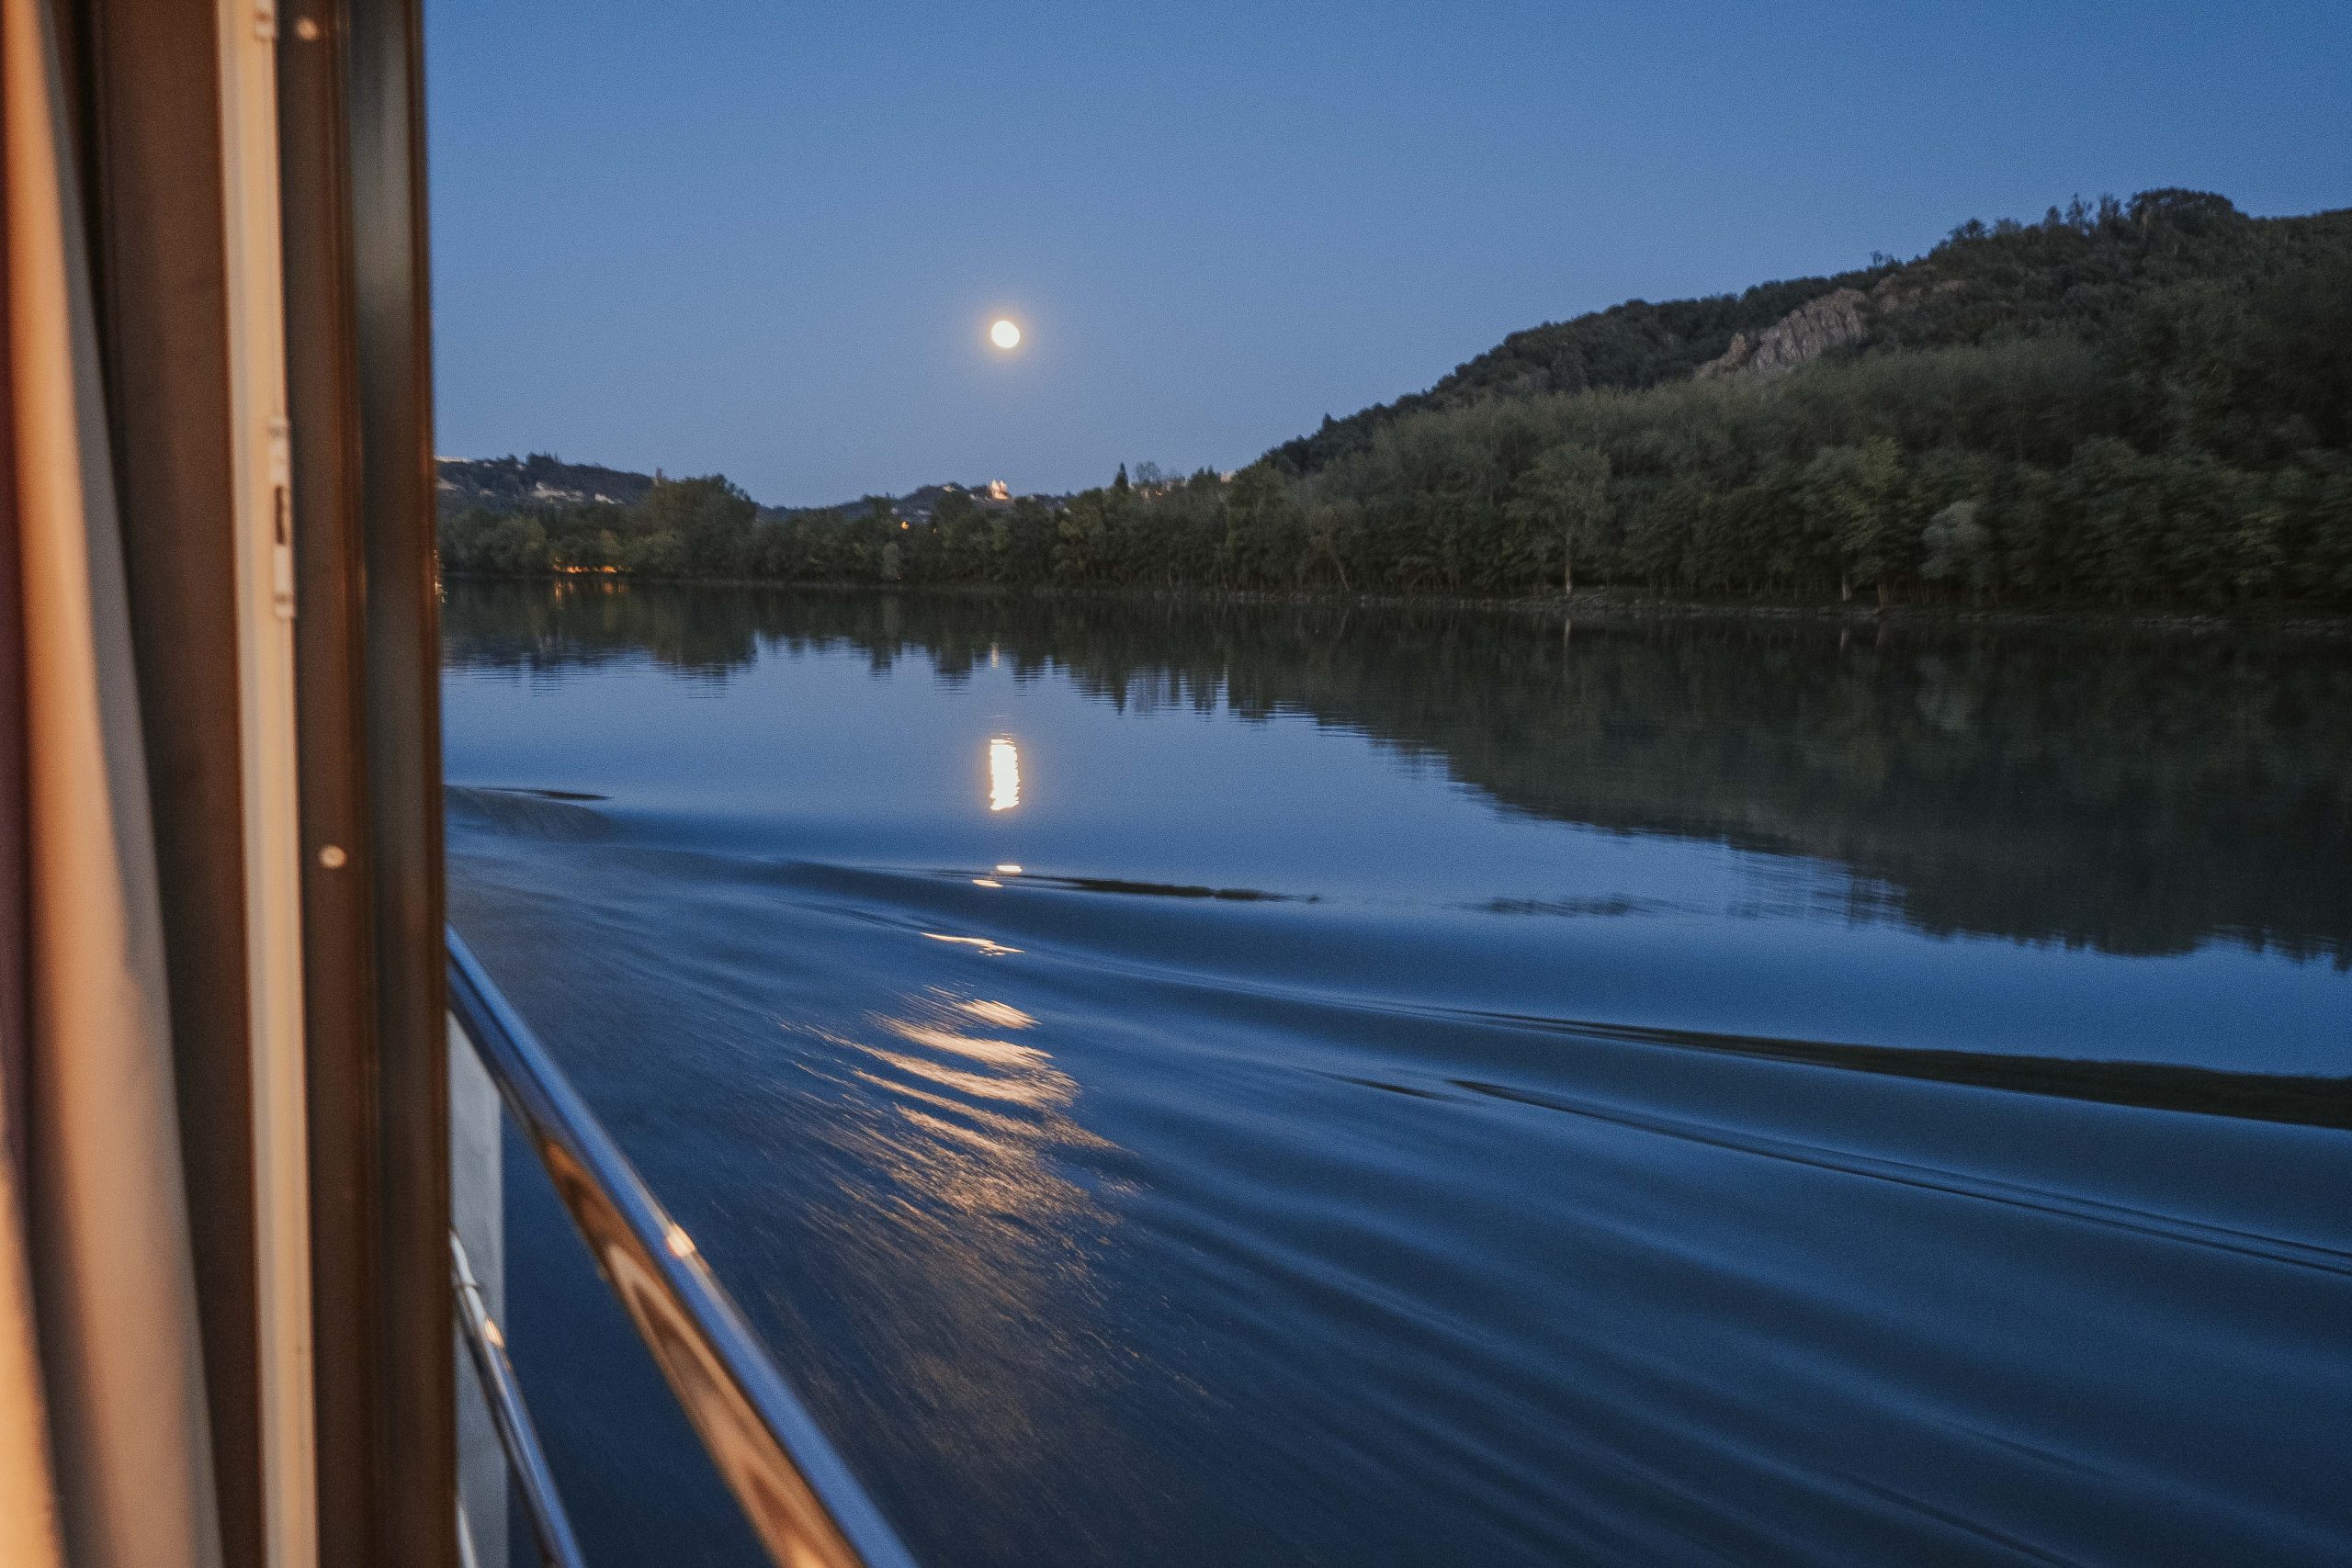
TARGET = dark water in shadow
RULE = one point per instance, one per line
(1441, 1090)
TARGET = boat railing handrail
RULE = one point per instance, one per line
(527, 1460)
(800, 1497)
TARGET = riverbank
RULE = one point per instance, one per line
(1601, 605)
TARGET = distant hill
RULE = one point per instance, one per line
(917, 505)
(2078, 273)
(537, 482)
(543, 482)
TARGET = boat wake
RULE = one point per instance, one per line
(1110, 1220)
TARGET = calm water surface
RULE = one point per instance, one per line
(1279, 1086)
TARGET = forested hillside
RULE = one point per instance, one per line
(2080, 272)
(2144, 403)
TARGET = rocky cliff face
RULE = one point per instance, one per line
(1812, 330)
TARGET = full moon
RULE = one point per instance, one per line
(1004, 335)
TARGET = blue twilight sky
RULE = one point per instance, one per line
(768, 240)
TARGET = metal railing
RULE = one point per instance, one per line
(801, 1500)
(527, 1460)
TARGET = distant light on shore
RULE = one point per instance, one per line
(1004, 774)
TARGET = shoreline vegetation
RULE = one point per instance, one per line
(2136, 410)
(1607, 605)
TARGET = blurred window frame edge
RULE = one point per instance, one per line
(157, 112)
(352, 182)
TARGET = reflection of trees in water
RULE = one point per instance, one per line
(544, 626)
(2123, 791)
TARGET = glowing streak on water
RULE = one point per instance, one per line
(1004, 774)
(991, 948)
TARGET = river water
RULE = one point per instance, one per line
(1275, 1085)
